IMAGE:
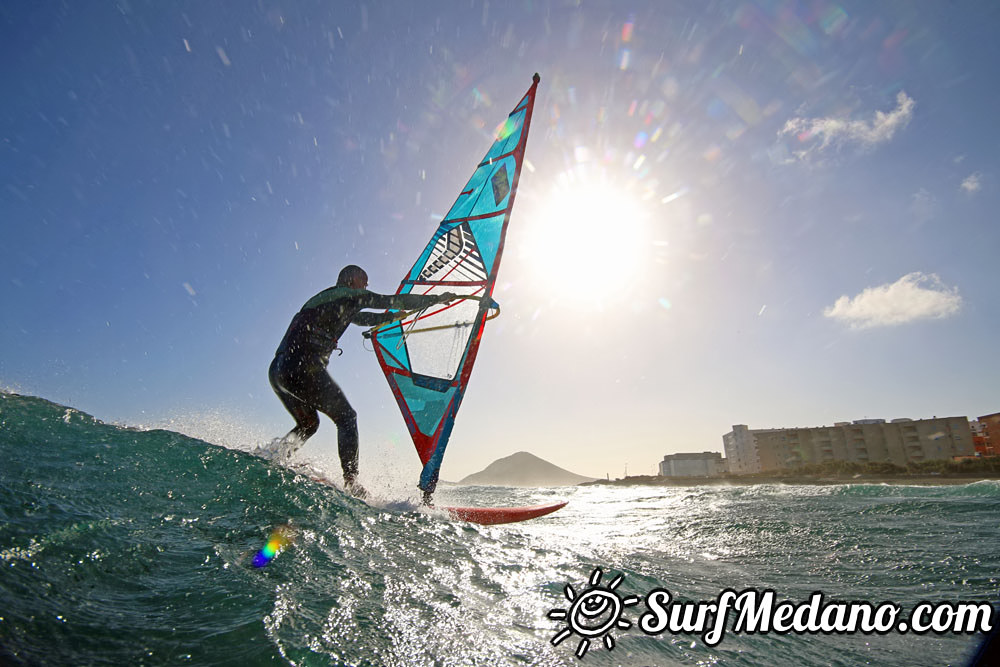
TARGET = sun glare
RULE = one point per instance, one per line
(586, 241)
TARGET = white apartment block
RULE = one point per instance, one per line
(900, 441)
(705, 464)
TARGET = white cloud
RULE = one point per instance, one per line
(972, 183)
(819, 133)
(915, 296)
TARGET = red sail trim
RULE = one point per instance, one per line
(484, 163)
(390, 369)
(484, 216)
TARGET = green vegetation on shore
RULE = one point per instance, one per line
(987, 466)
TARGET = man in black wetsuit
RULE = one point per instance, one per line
(298, 373)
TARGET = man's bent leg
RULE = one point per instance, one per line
(335, 405)
(306, 418)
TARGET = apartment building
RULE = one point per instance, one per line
(899, 441)
(704, 464)
(989, 432)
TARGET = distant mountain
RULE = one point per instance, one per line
(524, 469)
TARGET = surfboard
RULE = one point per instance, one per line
(489, 516)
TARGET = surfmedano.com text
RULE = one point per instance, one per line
(760, 612)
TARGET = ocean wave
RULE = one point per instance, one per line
(125, 546)
(988, 488)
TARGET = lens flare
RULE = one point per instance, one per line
(507, 128)
(279, 538)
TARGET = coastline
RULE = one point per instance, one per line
(816, 480)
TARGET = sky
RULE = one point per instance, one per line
(766, 213)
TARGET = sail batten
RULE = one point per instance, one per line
(427, 357)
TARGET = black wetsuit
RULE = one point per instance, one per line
(298, 373)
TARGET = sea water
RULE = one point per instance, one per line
(122, 546)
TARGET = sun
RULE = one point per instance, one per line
(586, 241)
(594, 613)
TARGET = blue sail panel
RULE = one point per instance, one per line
(487, 192)
(487, 234)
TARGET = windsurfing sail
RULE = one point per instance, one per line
(427, 356)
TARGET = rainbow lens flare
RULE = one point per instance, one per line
(279, 538)
(506, 128)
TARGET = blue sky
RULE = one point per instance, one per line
(763, 213)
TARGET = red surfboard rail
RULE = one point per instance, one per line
(489, 516)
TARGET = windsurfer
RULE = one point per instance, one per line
(298, 373)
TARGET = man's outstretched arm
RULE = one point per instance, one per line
(404, 301)
(396, 302)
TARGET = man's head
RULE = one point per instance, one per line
(352, 276)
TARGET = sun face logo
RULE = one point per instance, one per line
(594, 613)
